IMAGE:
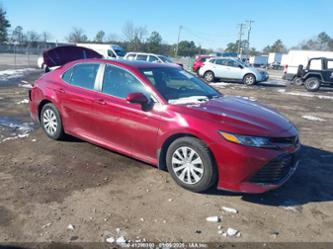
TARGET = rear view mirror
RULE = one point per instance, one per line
(240, 66)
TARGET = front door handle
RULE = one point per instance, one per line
(60, 90)
(100, 101)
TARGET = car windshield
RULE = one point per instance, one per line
(178, 86)
(165, 59)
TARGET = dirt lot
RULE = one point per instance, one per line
(47, 185)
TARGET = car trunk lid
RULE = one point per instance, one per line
(61, 55)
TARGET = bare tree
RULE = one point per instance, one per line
(77, 35)
(129, 31)
(112, 37)
(135, 35)
(46, 36)
(17, 35)
(32, 38)
(100, 36)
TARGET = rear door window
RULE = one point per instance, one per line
(330, 65)
(315, 64)
(222, 62)
(82, 75)
(130, 57)
(141, 57)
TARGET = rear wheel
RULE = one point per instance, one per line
(209, 76)
(51, 122)
(312, 84)
(191, 165)
(249, 79)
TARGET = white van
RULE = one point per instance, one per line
(109, 51)
(300, 57)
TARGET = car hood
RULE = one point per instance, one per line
(238, 115)
(61, 55)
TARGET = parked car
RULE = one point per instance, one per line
(134, 56)
(40, 62)
(295, 58)
(165, 116)
(318, 72)
(199, 62)
(231, 69)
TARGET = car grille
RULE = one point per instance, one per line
(276, 170)
(285, 140)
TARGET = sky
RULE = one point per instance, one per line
(209, 23)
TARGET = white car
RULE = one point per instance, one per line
(229, 69)
(157, 58)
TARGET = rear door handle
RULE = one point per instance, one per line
(100, 101)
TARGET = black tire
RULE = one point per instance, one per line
(312, 84)
(249, 79)
(208, 177)
(50, 112)
(298, 81)
(209, 76)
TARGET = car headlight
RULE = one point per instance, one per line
(260, 142)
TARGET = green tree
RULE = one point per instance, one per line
(187, 48)
(4, 25)
(276, 47)
(100, 36)
(154, 42)
(233, 47)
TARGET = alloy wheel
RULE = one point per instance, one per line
(187, 165)
(50, 122)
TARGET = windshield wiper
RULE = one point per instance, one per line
(186, 100)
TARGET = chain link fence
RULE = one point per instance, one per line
(19, 56)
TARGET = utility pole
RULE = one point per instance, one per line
(240, 40)
(180, 28)
(249, 22)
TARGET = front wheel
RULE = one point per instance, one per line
(191, 165)
(249, 79)
(209, 76)
(51, 122)
(312, 84)
(298, 81)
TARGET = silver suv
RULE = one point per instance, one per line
(229, 69)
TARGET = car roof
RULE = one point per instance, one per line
(142, 53)
(127, 64)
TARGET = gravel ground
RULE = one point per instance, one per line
(47, 185)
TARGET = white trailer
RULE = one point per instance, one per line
(109, 51)
(301, 57)
(258, 60)
(274, 58)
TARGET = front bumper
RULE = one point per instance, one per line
(263, 77)
(255, 170)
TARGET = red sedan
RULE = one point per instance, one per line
(166, 117)
(199, 62)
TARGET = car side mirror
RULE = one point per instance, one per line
(137, 98)
(240, 66)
